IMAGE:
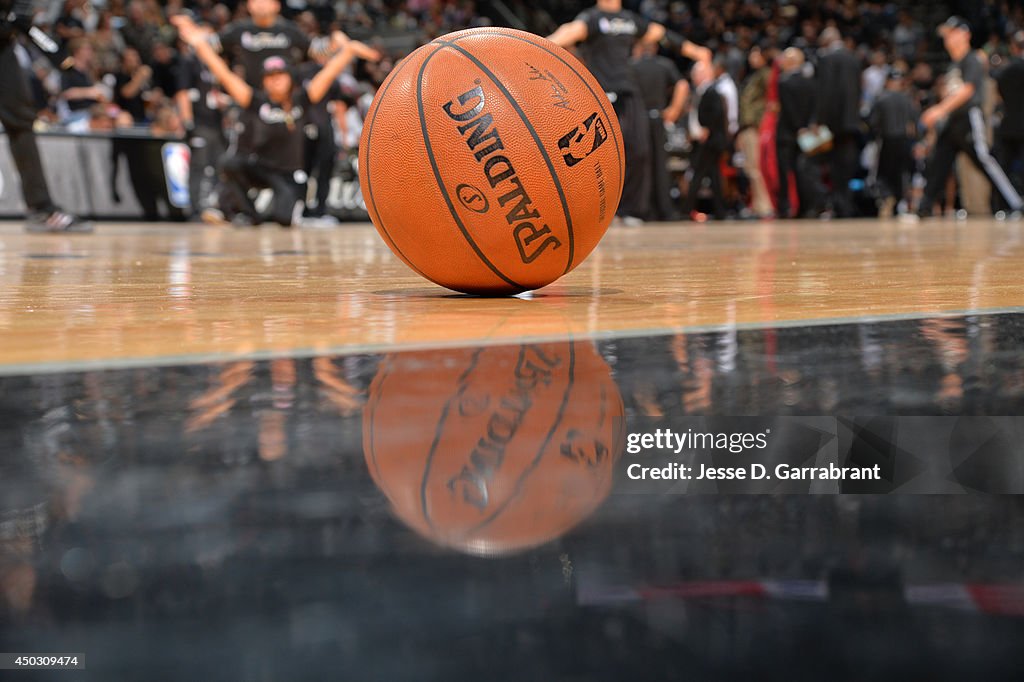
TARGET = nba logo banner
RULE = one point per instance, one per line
(177, 158)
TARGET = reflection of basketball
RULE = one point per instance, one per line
(491, 161)
(497, 449)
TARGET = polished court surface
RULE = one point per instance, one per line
(136, 294)
(212, 446)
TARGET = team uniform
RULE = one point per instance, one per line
(206, 136)
(607, 51)
(248, 45)
(321, 148)
(964, 131)
(270, 154)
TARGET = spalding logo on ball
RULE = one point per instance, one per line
(491, 161)
(494, 450)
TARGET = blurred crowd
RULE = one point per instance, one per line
(824, 108)
(131, 71)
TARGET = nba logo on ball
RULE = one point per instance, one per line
(177, 158)
(492, 161)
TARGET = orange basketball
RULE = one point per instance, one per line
(495, 449)
(491, 161)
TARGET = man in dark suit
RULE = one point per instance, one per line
(1009, 151)
(797, 102)
(709, 130)
(839, 85)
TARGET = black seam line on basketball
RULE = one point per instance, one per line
(543, 446)
(540, 146)
(440, 181)
(369, 184)
(597, 98)
(437, 435)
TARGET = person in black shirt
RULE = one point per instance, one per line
(202, 104)
(606, 34)
(321, 149)
(664, 92)
(893, 118)
(709, 129)
(1009, 148)
(166, 67)
(960, 123)
(68, 26)
(248, 43)
(18, 114)
(130, 84)
(271, 149)
(78, 89)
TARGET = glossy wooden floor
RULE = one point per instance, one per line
(160, 294)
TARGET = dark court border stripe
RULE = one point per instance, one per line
(108, 364)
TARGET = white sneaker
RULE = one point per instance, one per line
(324, 222)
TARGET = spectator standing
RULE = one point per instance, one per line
(893, 121)
(664, 91)
(753, 103)
(321, 148)
(709, 129)
(726, 87)
(797, 101)
(202, 104)
(838, 107)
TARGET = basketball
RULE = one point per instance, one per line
(491, 161)
(494, 450)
